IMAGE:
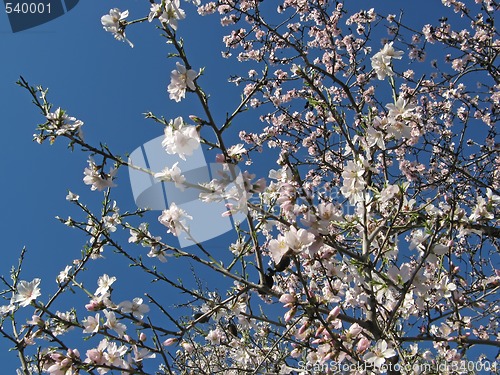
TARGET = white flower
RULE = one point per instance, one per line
(136, 308)
(140, 354)
(159, 252)
(98, 180)
(278, 248)
(181, 139)
(104, 283)
(60, 123)
(214, 337)
(374, 137)
(180, 80)
(417, 240)
(154, 12)
(236, 150)
(172, 174)
(390, 52)
(27, 292)
(114, 354)
(388, 193)
(6, 310)
(172, 13)
(63, 275)
(72, 196)
(113, 323)
(354, 183)
(379, 353)
(381, 61)
(115, 23)
(91, 324)
(174, 219)
(382, 66)
(297, 240)
(110, 222)
(400, 110)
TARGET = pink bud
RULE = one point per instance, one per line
(287, 298)
(303, 328)
(334, 313)
(142, 337)
(363, 344)
(92, 306)
(219, 158)
(170, 341)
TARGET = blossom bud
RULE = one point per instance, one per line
(142, 337)
(363, 344)
(287, 299)
(290, 314)
(334, 313)
(170, 341)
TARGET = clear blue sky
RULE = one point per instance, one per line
(107, 85)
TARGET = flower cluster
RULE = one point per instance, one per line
(98, 179)
(180, 139)
(115, 23)
(381, 61)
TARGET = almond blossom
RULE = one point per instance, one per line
(98, 179)
(181, 79)
(381, 61)
(115, 23)
(175, 219)
(180, 139)
(379, 354)
(26, 292)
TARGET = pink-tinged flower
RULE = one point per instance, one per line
(181, 139)
(379, 353)
(91, 324)
(113, 323)
(114, 354)
(180, 80)
(99, 180)
(60, 364)
(287, 299)
(278, 248)
(136, 308)
(27, 292)
(175, 219)
(363, 344)
(214, 337)
(96, 355)
(115, 23)
(298, 240)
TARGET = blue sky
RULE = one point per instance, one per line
(107, 85)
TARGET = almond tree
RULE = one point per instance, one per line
(370, 244)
